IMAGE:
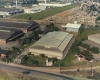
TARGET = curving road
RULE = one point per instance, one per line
(34, 73)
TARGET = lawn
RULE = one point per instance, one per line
(45, 13)
(31, 58)
(84, 35)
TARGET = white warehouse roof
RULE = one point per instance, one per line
(69, 25)
(57, 39)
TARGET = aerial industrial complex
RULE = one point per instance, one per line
(53, 44)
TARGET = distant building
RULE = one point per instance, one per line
(53, 44)
(54, 4)
(34, 9)
(72, 27)
(25, 27)
(95, 38)
(5, 12)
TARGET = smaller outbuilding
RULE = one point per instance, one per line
(72, 27)
(95, 38)
(4, 52)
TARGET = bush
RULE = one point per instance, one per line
(29, 53)
(42, 55)
(87, 55)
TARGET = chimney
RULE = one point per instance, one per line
(16, 3)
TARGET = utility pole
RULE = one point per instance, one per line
(91, 70)
(59, 68)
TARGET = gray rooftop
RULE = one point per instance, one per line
(9, 9)
(9, 33)
(57, 39)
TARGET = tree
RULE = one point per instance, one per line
(94, 50)
(36, 36)
(30, 19)
(35, 62)
(87, 55)
(29, 53)
(81, 29)
(42, 55)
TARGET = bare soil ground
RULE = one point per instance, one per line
(5, 75)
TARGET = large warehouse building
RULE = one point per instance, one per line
(7, 35)
(95, 38)
(25, 27)
(53, 44)
(72, 27)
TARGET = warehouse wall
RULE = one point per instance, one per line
(72, 29)
(50, 54)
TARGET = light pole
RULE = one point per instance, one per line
(91, 70)
(59, 68)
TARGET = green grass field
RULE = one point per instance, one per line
(84, 35)
(45, 13)
(31, 58)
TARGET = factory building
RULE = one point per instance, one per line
(25, 27)
(95, 38)
(72, 27)
(54, 4)
(53, 44)
(5, 12)
(7, 35)
(34, 9)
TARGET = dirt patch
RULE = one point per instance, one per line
(5, 75)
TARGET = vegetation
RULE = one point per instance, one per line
(45, 13)
(52, 27)
(98, 18)
(32, 60)
(73, 50)
(87, 55)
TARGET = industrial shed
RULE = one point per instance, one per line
(9, 11)
(25, 27)
(95, 38)
(4, 52)
(72, 27)
(7, 35)
(53, 44)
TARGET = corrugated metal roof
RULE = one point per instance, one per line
(73, 25)
(56, 39)
(65, 42)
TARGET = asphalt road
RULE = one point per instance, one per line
(34, 73)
